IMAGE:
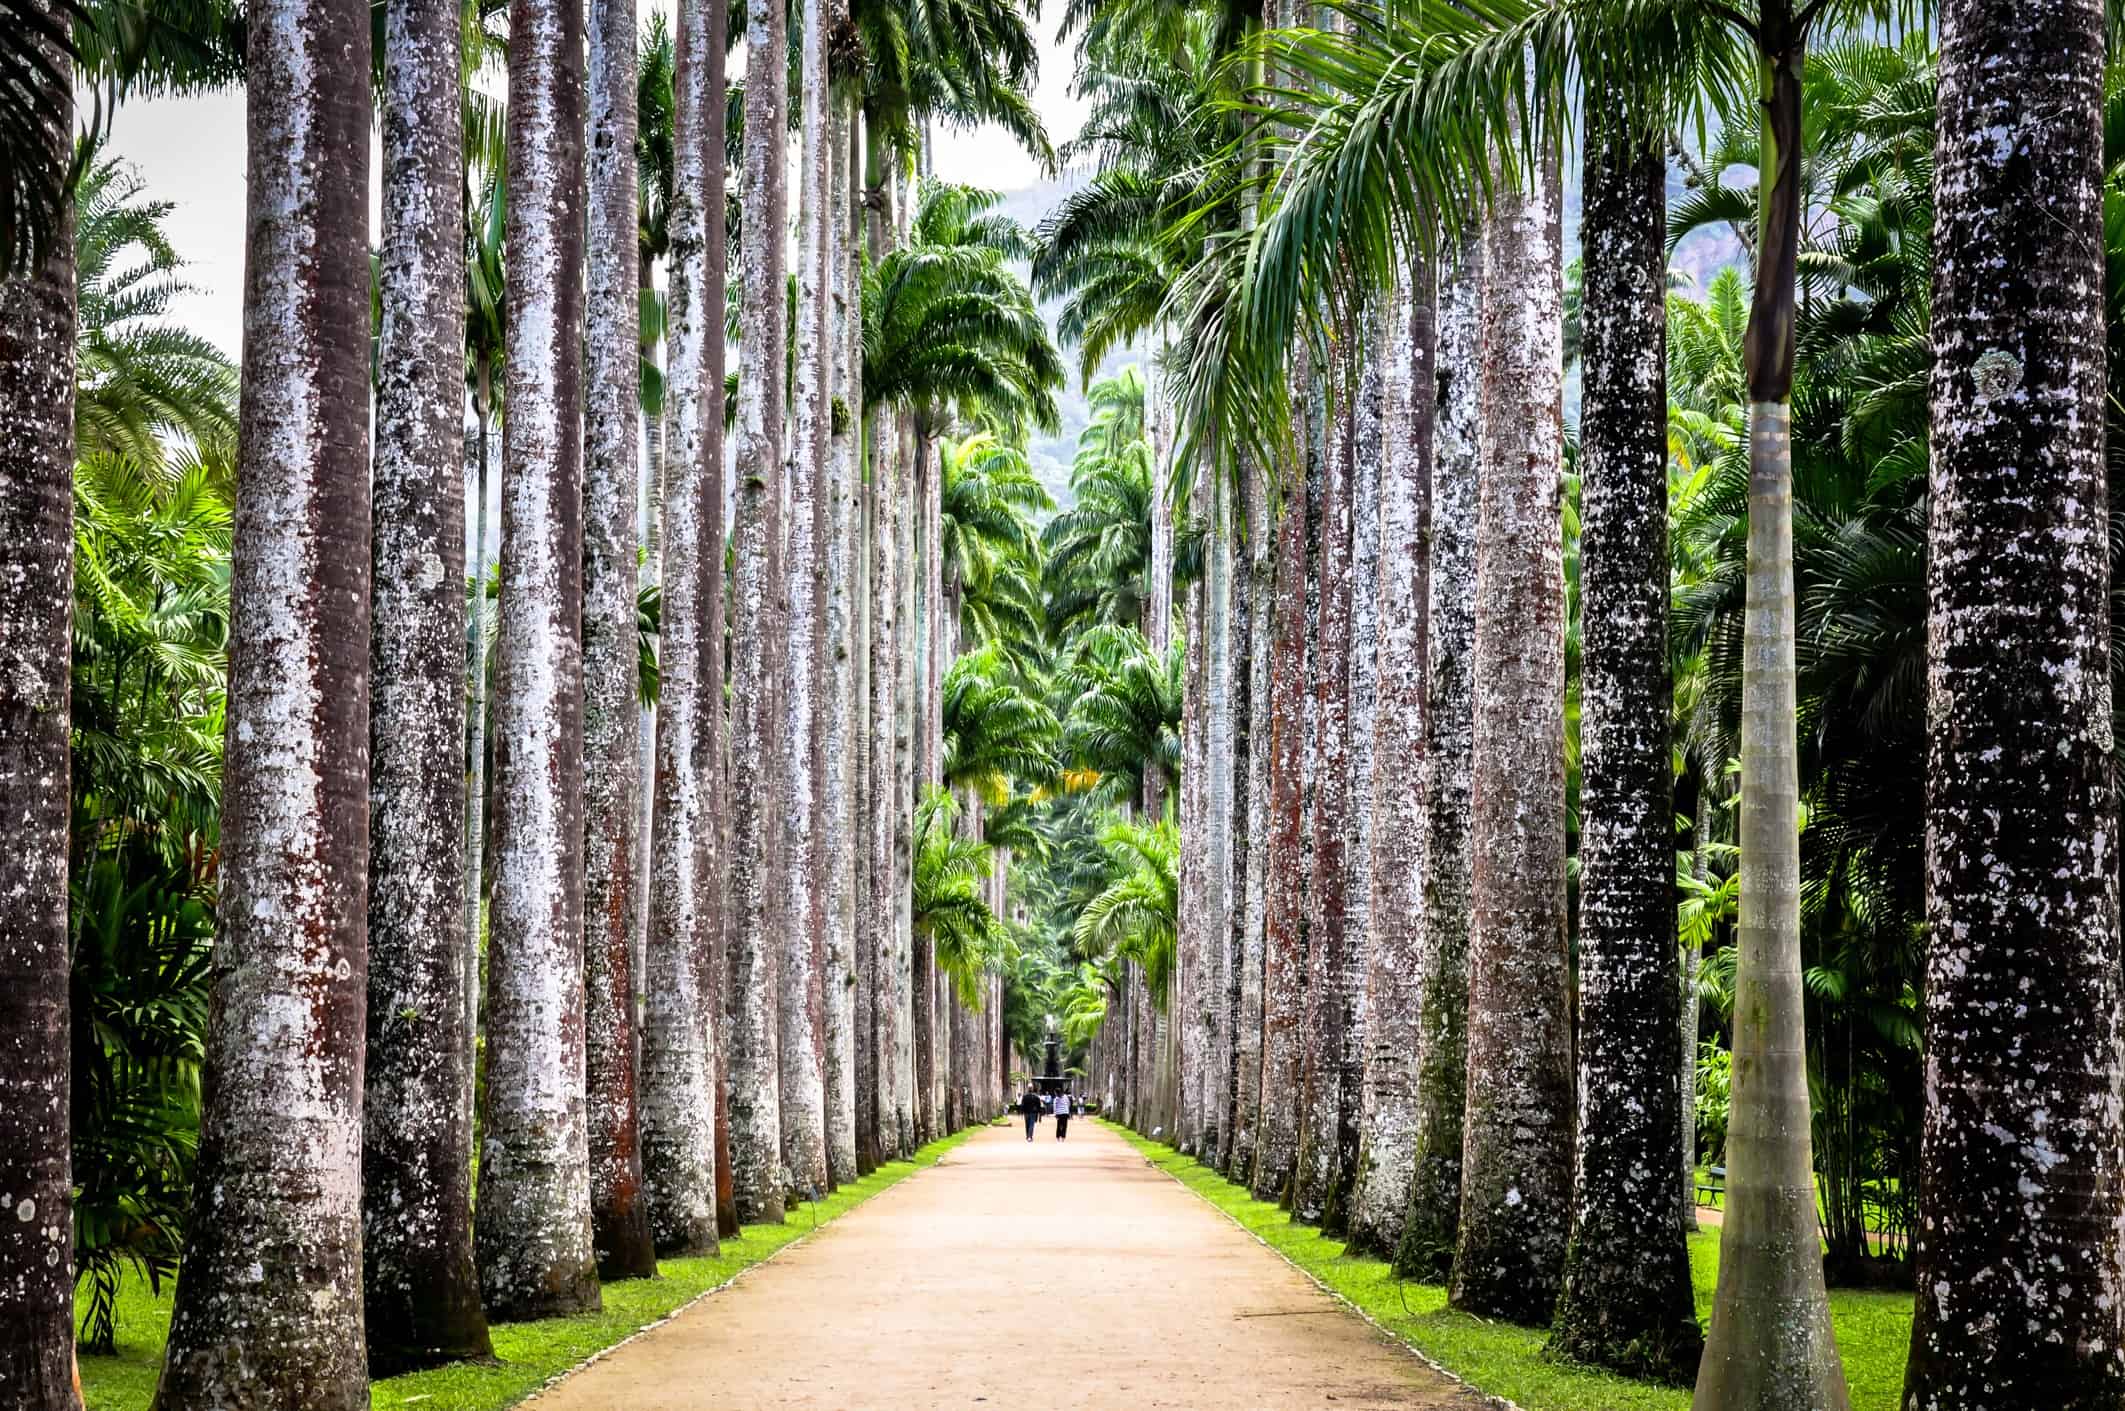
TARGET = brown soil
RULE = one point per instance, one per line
(1049, 1275)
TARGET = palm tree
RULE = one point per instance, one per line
(533, 1231)
(2020, 1181)
(1628, 1301)
(620, 1228)
(1125, 715)
(268, 1308)
(1395, 945)
(680, 1103)
(1432, 1227)
(1099, 550)
(36, 474)
(422, 1298)
(757, 655)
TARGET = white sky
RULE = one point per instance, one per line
(191, 152)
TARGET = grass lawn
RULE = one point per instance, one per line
(1873, 1329)
(528, 1354)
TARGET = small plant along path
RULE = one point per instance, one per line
(1055, 1274)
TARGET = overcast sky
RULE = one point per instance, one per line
(191, 151)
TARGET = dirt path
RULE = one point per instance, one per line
(1048, 1275)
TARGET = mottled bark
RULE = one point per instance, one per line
(922, 970)
(1627, 1303)
(533, 1224)
(908, 1099)
(1284, 940)
(680, 1099)
(1214, 986)
(1330, 983)
(1516, 1153)
(421, 1295)
(755, 1107)
(1250, 1019)
(712, 724)
(620, 1232)
(37, 318)
(841, 699)
(1189, 1005)
(882, 798)
(801, 996)
(1771, 1346)
(1432, 1226)
(1399, 720)
(269, 1304)
(2021, 1259)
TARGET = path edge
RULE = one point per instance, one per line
(1494, 1401)
(530, 1398)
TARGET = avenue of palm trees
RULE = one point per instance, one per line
(1497, 722)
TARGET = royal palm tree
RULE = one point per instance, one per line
(421, 1295)
(533, 1231)
(1098, 552)
(2020, 1182)
(36, 475)
(757, 655)
(620, 1228)
(268, 1308)
(1125, 715)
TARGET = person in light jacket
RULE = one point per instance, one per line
(1062, 1116)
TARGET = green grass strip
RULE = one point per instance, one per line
(1873, 1329)
(528, 1355)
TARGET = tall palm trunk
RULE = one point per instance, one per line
(923, 967)
(1771, 1346)
(1516, 1185)
(534, 1237)
(882, 501)
(906, 714)
(802, 989)
(269, 1301)
(1362, 692)
(620, 1228)
(711, 762)
(2023, 1158)
(756, 1117)
(1433, 1224)
(1284, 939)
(1628, 1302)
(1219, 892)
(37, 318)
(840, 824)
(421, 1295)
(680, 1097)
(1400, 720)
(1328, 990)
(1250, 1019)
(1187, 1007)
(475, 845)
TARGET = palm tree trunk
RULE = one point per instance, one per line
(475, 849)
(533, 1226)
(680, 1097)
(1261, 602)
(1771, 1346)
(1364, 575)
(269, 1302)
(756, 1117)
(1628, 1302)
(1328, 990)
(1284, 938)
(1432, 1226)
(1516, 1186)
(713, 720)
(909, 1100)
(1188, 1005)
(1402, 612)
(1218, 751)
(881, 926)
(37, 318)
(928, 1076)
(2020, 1179)
(840, 821)
(611, 490)
(421, 1295)
(654, 440)
(802, 992)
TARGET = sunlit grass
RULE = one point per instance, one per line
(1873, 1329)
(528, 1355)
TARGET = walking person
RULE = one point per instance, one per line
(1062, 1116)
(1031, 1106)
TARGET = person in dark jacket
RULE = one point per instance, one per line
(1032, 1107)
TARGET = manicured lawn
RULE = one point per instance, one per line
(528, 1354)
(1873, 1329)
